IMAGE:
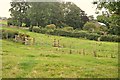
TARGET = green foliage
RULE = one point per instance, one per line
(9, 22)
(51, 26)
(89, 26)
(103, 28)
(36, 29)
(42, 60)
(78, 34)
(41, 14)
(111, 16)
(92, 36)
(43, 30)
(7, 34)
(68, 28)
(103, 19)
(10, 34)
(115, 24)
(18, 12)
(30, 28)
(74, 16)
(110, 38)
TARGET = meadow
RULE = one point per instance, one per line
(74, 59)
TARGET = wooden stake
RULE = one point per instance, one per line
(83, 52)
(95, 54)
(70, 51)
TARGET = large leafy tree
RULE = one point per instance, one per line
(44, 13)
(112, 12)
(103, 19)
(74, 16)
(18, 12)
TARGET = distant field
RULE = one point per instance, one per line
(3, 22)
(74, 59)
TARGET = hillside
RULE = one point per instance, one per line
(75, 58)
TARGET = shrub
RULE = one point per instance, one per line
(110, 38)
(9, 34)
(49, 31)
(51, 26)
(61, 32)
(68, 28)
(81, 34)
(78, 34)
(9, 21)
(92, 36)
(30, 28)
(36, 29)
(89, 26)
(43, 30)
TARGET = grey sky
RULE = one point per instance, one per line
(85, 5)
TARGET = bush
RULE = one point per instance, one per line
(36, 29)
(30, 28)
(49, 31)
(110, 38)
(61, 32)
(51, 26)
(43, 30)
(9, 22)
(68, 28)
(78, 34)
(89, 26)
(92, 36)
(9, 34)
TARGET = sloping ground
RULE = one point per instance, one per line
(44, 60)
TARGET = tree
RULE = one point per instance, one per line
(113, 13)
(90, 26)
(74, 16)
(18, 12)
(103, 19)
(91, 17)
(44, 13)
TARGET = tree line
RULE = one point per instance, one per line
(65, 14)
(44, 13)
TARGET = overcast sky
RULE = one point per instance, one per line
(85, 5)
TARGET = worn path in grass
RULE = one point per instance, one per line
(43, 60)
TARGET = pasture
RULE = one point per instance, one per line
(75, 58)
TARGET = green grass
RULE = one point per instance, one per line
(3, 22)
(42, 60)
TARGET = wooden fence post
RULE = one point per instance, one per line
(54, 43)
(16, 38)
(26, 41)
(70, 51)
(95, 54)
(33, 41)
(83, 52)
(58, 45)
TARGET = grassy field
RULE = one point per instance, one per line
(75, 59)
(3, 22)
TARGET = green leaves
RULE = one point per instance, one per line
(112, 15)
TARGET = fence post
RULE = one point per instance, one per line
(33, 41)
(58, 45)
(54, 44)
(26, 41)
